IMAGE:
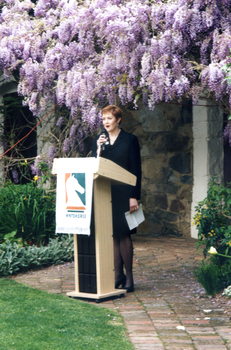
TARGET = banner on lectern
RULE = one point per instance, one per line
(74, 195)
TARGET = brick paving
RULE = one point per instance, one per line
(169, 309)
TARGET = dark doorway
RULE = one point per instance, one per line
(18, 122)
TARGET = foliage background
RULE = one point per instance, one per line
(15, 258)
(213, 221)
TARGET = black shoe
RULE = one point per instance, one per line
(130, 289)
(122, 281)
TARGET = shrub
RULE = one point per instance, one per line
(224, 276)
(223, 264)
(27, 214)
(207, 275)
(14, 258)
(212, 219)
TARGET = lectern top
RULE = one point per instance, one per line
(101, 167)
(114, 172)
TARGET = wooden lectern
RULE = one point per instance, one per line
(101, 241)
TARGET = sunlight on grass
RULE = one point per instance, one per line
(36, 320)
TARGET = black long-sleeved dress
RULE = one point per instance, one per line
(126, 153)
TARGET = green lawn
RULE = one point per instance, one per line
(31, 319)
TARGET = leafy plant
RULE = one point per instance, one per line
(213, 221)
(27, 212)
(42, 172)
(224, 273)
(227, 292)
(213, 217)
(11, 237)
(14, 258)
(207, 275)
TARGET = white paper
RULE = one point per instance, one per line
(135, 218)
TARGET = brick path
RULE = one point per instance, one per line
(166, 296)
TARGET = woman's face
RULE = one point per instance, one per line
(110, 122)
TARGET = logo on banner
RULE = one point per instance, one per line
(75, 192)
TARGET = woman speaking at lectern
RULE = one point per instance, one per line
(123, 149)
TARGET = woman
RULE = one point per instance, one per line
(124, 150)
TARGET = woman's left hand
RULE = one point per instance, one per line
(134, 206)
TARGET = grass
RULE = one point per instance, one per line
(32, 319)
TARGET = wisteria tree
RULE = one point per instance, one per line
(85, 54)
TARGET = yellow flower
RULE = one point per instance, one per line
(35, 177)
(25, 161)
(25, 199)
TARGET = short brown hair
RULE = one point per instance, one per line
(114, 110)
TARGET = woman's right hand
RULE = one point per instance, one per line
(101, 140)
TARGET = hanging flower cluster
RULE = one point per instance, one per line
(84, 54)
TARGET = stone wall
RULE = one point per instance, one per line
(166, 141)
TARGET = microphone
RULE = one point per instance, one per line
(106, 135)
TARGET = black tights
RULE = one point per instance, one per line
(123, 256)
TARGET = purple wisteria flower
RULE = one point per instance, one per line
(227, 134)
(66, 145)
(35, 167)
(60, 122)
(15, 176)
(83, 55)
(51, 153)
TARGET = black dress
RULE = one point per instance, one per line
(126, 153)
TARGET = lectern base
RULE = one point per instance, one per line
(96, 296)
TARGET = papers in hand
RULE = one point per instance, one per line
(135, 218)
